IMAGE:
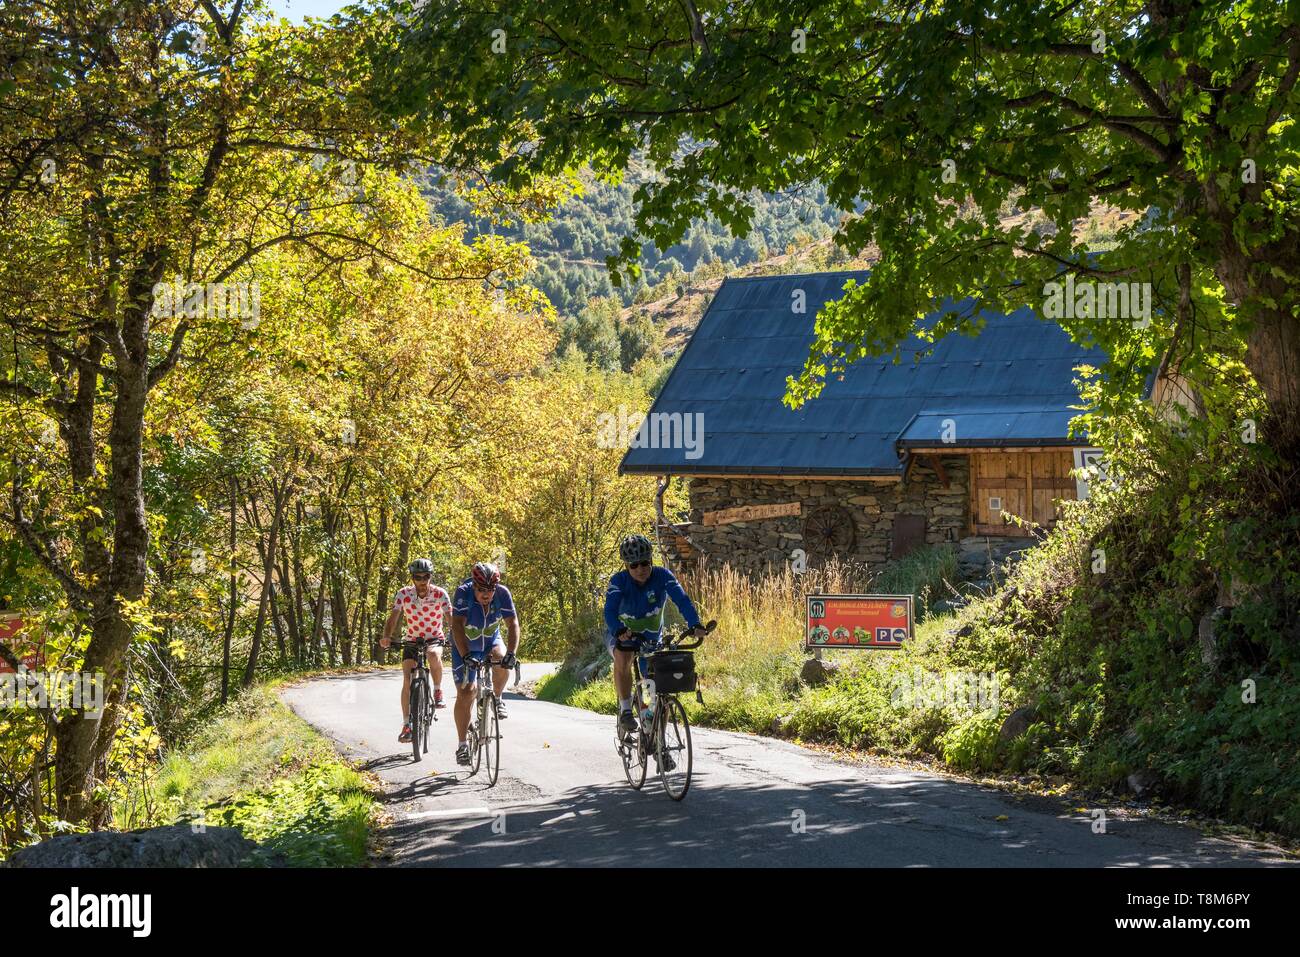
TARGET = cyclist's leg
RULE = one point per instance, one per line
(499, 675)
(624, 661)
(435, 666)
(464, 679)
(408, 665)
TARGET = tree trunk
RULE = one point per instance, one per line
(268, 566)
(1273, 343)
(1273, 356)
(81, 741)
(381, 589)
(234, 597)
(291, 610)
(318, 626)
(339, 615)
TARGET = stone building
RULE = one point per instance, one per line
(967, 444)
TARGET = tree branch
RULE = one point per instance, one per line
(77, 593)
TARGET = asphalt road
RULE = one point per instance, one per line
(757, 802)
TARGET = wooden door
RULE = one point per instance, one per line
(1027, 484)
(1050, 483)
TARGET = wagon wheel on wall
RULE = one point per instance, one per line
(828, 530)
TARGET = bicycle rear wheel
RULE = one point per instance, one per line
(633, 755)
(673, 747)
(416, 718)
(429, 717)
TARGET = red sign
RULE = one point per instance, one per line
(858, 621)
(10, 626)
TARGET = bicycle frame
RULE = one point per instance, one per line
(421, 670)
(479, 719)
(650, 731)
(421, 678)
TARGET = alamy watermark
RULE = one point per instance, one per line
(43, 691)
(213, 300)
(658, 430)
(961, 691)
(1098, 300)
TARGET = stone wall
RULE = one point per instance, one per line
(872, 505)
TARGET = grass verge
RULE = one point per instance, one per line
(260, 768)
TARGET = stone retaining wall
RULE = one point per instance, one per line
(753, 545)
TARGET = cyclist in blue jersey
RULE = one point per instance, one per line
(478, 608)
(635, 602)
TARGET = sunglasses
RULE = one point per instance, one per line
(420, 578)
(485, 589)
(639, 565)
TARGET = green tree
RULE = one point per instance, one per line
(145, 144)
(910, 114)
(638, 337)
(564, 539)
(594, 334)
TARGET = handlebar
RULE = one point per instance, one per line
(679, 645)
(675, 642)
(477, 662)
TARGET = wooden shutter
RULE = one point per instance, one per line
(909, 534)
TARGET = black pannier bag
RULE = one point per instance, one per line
(673, 671)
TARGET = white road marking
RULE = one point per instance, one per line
(449, 814)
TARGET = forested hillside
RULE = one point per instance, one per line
(571, 246)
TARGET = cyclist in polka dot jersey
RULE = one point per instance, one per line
(426, 607)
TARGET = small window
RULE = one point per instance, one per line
(995, 504)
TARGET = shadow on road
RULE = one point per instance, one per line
(836, 823)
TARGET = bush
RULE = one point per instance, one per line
(260, 768)
(928, 574)
(973, 744)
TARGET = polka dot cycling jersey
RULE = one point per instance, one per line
(424, 616)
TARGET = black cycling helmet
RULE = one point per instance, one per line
(485, 574)
(635, 548)
(421, 566)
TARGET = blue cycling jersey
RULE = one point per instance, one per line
(480, 623)
(641, 607)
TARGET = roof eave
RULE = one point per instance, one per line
(676, 468)
(989, 443)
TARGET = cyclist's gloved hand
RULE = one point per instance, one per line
(623, 634)
(509, 661)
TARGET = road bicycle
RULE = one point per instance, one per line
(424, 709)
(484, 739)
(662, 672)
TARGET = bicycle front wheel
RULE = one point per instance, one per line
(492, 746)
(476, 745)
(416, 718)
(673, 747)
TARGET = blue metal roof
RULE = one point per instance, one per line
(982, 428)
(1010, 385)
